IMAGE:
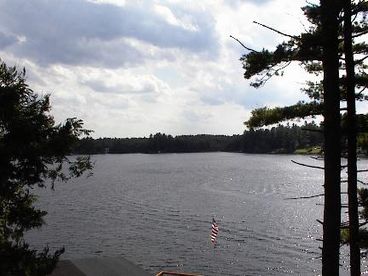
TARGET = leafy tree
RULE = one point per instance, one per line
(33, 152)
(321, 49)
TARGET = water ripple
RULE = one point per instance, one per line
(156, 210)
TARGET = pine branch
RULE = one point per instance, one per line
(308, 166)
(360, 93)
(362, 182)
(276, 31)
(317, 167)
(360, 34)
(268, 75)
(361, 60)
(241, 43)
(304, 197)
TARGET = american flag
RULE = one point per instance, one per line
(214, 231)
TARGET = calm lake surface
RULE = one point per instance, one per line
(156, 210)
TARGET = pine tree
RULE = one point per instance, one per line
(33, 150)
(321, 49)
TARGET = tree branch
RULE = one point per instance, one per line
(321, 168)
(361, 60)
(362, 182)
(360, 34)
(360, 93)
(276, 31)
(304, 197)
(241, 43)
(308, 166)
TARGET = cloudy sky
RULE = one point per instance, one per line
(134, 67)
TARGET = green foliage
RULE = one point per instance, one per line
(19, 259)
(363, 232)
(33, 149)
(363, 237)
(305, 49)
(265, 116)
(266, 64)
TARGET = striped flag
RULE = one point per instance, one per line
(214, 231)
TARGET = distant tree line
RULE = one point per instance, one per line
(282, 139)
(161, 143)
(279, 139)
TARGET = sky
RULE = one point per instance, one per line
(131, 68)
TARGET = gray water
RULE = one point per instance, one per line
(156, 210)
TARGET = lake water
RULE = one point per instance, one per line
(156, 210)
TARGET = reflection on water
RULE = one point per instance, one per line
(156, 210)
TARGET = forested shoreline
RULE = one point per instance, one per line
(279, 139)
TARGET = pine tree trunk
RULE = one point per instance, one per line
(332, 134)
(352, 144)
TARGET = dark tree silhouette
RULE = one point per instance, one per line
(317, 50)
(332, 150)
(278, 139)
(33, 150)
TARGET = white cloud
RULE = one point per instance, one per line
(131, 68)
(169, 16)
(123, 82)
(83, 32)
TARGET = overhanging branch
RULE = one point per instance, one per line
(241, 43)
(308, 166)
(276, 31)
(305, 197)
